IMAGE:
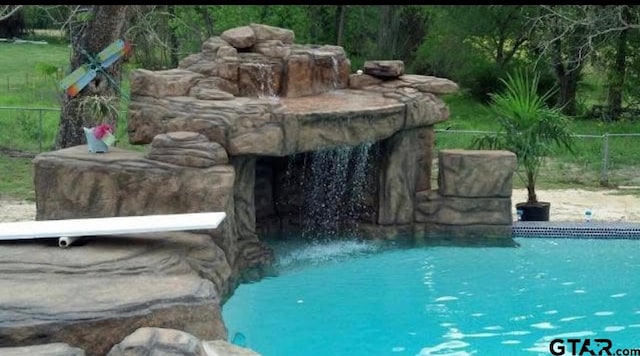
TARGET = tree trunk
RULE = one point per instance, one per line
(341, 12)
(388, 29)
(105, 24)
(314, 22)
(617, 76)
(203, 10)
(174, 46)
(567, 74)
(500, 52)
(264, 13)
(531, 188)
(567, 94)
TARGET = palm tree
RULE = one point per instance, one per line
(528, 127)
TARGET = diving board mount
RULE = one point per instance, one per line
(69, 230)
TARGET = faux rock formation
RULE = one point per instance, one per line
(189, 149)
(54, 349)
(476, 173)
(72, 184)
(152, 341)
(384, 69)
(289, 125)
(287, 99)
(252, 103)
(359, 81)
(473, 196)
(93, 295)
(282, 98)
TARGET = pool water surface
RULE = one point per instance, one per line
(361, 298)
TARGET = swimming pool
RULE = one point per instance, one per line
(359, 298)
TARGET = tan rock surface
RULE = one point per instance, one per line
(92, 296)
(566, 205)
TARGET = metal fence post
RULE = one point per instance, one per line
(605, 159)
(39, 130)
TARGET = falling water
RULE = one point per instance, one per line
(358, 182)
(327, 184)
(336, 70)
(265, 81)
(333, 191)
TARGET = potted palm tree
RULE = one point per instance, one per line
(529, 128)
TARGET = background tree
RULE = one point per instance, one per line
(341, 15)
(13, 23)
(152, 29)
(618, 58)
(571, 35)
(401, 30)
(474, 45)
(7, 11)
(498, 31)
(93, 28)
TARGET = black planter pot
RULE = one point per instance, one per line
(534, 211)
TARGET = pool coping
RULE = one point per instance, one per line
(575, 230)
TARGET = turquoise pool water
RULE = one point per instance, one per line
(356, 298)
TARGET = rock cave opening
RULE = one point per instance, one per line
(318, 195)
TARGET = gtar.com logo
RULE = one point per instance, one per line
(579, 347)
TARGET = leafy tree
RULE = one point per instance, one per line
(570, 35)
(497, 31)
(474, 45)
(618, 58)
(400, 31)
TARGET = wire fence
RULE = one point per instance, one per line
(609, 158)
(34, 88)
(30, 130)
(14, 83)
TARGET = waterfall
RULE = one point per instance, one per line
(358, 181)
(265, 81)
(333, 191)
(336, 71)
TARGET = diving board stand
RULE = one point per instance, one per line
(69, 230)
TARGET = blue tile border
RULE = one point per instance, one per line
(576, 230)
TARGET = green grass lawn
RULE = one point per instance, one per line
(24, 82)
(30, 73)
(29, 79)
(582, 169)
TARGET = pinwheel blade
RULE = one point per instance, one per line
(77, 80)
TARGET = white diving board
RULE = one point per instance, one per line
(68, 230)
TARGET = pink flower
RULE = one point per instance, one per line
(101, 130)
